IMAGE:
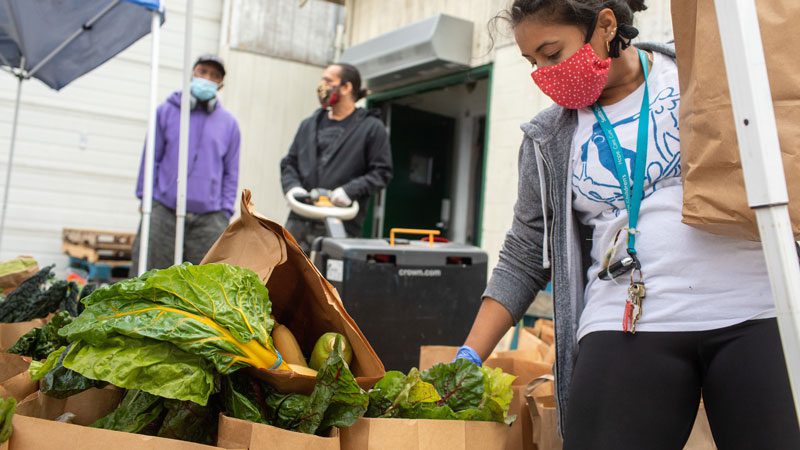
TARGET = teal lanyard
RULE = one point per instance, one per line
(631, 194)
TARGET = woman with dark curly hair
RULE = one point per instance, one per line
(651, 315)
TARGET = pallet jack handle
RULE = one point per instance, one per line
(429, 233)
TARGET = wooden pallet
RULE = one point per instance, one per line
(93, 246)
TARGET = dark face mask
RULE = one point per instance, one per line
(327, 95)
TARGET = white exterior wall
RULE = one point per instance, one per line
(78, 150)
(515, 100)
(367, 19)
(271, 85)
(269, 97)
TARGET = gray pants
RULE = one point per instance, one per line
(201, 231)
(305, 232)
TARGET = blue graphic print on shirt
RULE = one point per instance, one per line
(663, 159)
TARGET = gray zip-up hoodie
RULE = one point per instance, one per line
(544, 220)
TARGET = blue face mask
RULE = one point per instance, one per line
(203, 90)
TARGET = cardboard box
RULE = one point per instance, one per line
(38, 434)
(88, 406)
(412, 434)
(301, 298)
(15, 381)
(236, 433)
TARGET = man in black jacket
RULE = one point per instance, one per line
(341, 148)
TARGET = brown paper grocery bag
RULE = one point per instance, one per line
(542, 409)
(25, 267)
(301, 298)
(31, 433)
(521, 431)
(15, 381)
(714, 197)
(430, 355)
(411, 434)
(529, 341)
(88, 406)
(235, 433)
(11, 332)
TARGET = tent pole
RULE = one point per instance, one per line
(9, 164)
(183, 140)
(764, 178)
(149, 153)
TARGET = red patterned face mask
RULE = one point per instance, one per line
(576, 82)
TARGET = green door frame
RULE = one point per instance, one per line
(476, 73)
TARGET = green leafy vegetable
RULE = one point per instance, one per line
(36, 297)
(144, 413)
(7, 408)
(243, 397)
(455, 391)
(15, 307)
(396, 394)
(189, 421)
(40, 342)
(137, 410)
(62, 382)
(460, 384)
(38, 370)
(58, 381)
(73, 305)
(286, 410)
(497, 393)
(159, 368)
(217, 311)
(337, 400)
(204, 319)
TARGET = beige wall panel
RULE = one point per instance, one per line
(269, 97)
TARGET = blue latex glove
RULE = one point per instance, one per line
(468, 353)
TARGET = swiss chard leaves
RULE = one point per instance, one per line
(58, 381)
(216, 311)
(337, 400)
(159, 368)
(455, 391)
(243, 397)
(188, 421)
(137, 410)
(459, 383)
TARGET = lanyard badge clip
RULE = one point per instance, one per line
(620, 267)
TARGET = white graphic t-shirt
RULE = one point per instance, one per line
(695, 280)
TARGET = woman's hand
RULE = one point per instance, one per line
(492, 322)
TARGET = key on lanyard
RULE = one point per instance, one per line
(633, 305)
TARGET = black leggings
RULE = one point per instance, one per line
(642, 391)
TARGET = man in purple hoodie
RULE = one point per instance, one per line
(213, 175)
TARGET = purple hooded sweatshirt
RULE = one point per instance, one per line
(213, 158)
